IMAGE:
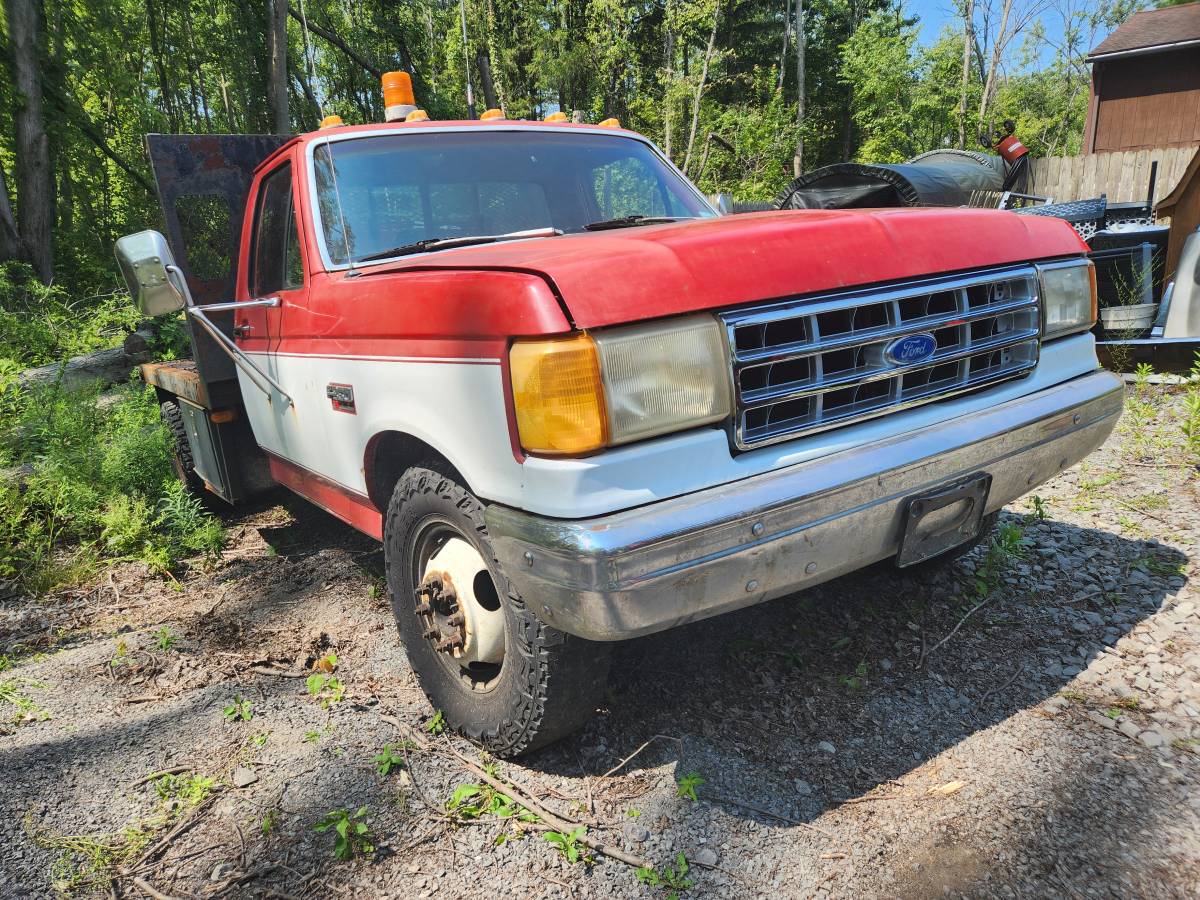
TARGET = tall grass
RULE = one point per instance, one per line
(83, 478)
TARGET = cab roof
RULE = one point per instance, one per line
(428, 125)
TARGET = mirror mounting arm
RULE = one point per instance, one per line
(198, 313)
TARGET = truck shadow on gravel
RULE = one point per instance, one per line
(792, 707)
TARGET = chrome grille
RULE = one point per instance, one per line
(808, 365)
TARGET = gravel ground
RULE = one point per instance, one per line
(851, 742)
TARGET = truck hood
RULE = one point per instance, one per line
(624, 275)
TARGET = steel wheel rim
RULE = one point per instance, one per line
(439, 550)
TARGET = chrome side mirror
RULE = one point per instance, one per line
(723, 202)
(150, 272)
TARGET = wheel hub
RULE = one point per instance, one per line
(458, 606)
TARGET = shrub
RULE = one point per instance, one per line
(94, 478)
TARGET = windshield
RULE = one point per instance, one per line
(398, 189)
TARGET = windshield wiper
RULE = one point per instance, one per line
(464, 241)
(631, 222)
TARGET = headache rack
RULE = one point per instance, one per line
(807, 365)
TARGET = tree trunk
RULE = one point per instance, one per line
(35, 184)
(801, 89)
(968, 40)
(277, 12)
(10, 241)
(997, 49)
(669, 53)
(708, 52)
(486, 83)
(787, 30)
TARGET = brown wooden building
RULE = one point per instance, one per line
(1146, 83)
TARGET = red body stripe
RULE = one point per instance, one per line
(336, 499)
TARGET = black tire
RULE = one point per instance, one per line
(181, 450)
(549, 683)
(942, 560)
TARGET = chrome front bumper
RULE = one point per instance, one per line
(647, 569)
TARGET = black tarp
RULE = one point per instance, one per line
(939, 178)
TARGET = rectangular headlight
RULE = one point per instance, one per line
(1068, 297)
(576, 394)
(663, 376)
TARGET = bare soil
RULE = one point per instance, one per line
(851, 742)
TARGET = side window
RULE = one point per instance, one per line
(627, 188)
(276, 264)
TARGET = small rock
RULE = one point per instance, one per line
(1129, 729)
(635, 833)
(1151, 738)
(707, 857)
(243, 777)
(886, 664)
(222, 871)
(826, 747)
(803, 788)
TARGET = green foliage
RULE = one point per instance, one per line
(352, 833)
(571, 844)
(436, 725)
(186, 788)
(326, 688)
(673, 878)
(686, 786)
(389, 758)
(12, 694)
(165, 639)
(97, 480)
(42, 324)
(238, 710)
(855, 680)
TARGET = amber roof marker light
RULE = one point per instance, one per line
(398, 97)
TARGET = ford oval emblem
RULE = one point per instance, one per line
(912, 348)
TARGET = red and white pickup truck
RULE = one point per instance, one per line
(577, 405)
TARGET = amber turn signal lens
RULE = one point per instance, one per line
(559, 116)
(417, 115)
(492, 114)
(331, 122)
(611, 123)
(558, 395)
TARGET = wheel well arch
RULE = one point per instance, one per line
(390, 454)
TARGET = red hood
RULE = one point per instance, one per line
(609, 277)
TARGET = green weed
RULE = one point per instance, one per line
(328, 689)
(389, 758)
(238, 710)
(570, 844)
(352, 834)
(685, 787)
(673, 878)
(186, 788)
(854, 682)
(436, 725)
(24, 709)
(165, 639)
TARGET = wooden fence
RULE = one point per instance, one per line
(1123, 176)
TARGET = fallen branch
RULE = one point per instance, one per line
(996, 690)
(645, 744)
(925, 654)
(787, 820)
(552, 821)
(146, 888)
(154, 776)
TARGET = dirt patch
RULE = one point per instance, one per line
(1048, 748)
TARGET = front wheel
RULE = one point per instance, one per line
(498, 674)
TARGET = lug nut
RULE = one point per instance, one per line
(456, 619)
(422, 608)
